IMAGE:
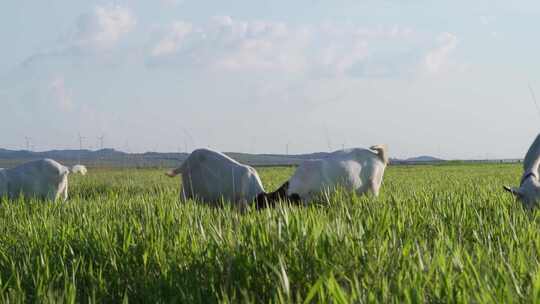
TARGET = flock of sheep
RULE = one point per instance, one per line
(211, 176)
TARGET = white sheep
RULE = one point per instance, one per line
(211, 176)
(358, 170)
(80, 169)
(44, 179)
(528, 191)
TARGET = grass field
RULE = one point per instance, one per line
(435, 234)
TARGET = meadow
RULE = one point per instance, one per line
(436, 234)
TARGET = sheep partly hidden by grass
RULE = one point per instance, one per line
(211, 177)
(79, 169)
(528, 191)
(44, 179)
(358, 170)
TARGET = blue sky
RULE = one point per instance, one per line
(425, 77)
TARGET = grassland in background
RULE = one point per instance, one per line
(435, 234)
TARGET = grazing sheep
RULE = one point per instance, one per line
(80, 169)
(528, 191)
(358, 170)
(211, 176)
(44, 179)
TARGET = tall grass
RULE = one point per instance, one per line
(435, 234)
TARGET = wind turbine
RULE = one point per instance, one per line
(101, 139)
(81, 138)
(28, 141)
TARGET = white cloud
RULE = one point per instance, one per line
(94, 32)
(439, 58)
(319, 50)
(171, 3)
(61, 96)
(486, 20)
(173, 40)
(232, 45)
(103, 27)
(259, 46)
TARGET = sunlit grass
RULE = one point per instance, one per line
(435, 234)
